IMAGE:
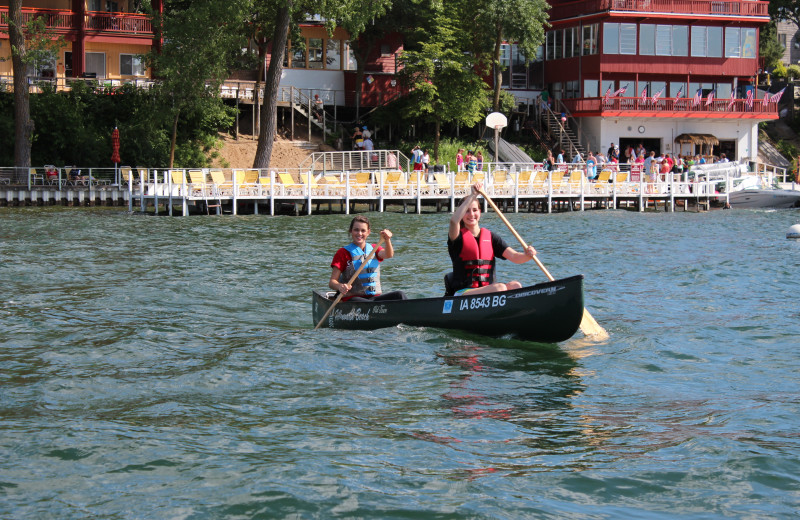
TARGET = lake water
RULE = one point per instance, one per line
(157, 367)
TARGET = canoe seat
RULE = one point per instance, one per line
(449, 290)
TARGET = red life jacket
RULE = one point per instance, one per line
(478, 257)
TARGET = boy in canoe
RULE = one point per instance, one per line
(473, 250)
(347, 260)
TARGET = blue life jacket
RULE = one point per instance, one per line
(369, 280)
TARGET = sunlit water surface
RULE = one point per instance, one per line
(157, 367)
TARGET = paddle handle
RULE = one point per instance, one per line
(350, 282)
(516, 235)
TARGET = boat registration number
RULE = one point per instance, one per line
(484, 302)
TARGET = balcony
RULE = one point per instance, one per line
(681, 108)
(93, 21)
(742, 8)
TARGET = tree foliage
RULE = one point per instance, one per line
(442, 78)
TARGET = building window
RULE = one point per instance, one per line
(590, 88)
(96, 64)
(130, 65)
(568, 43)
(576, 41)
(749, 43)
(68, 64)
(315, 53)
(350, 59)
(647, 39)
(333, 57)
(677, 87)
(680, 40)
(733, 45)
(619, 38)
(706, 41)
(386, 50)
(551, 45)
(559, 44)
(505, 54)
(590, 36)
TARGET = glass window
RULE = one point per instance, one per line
(733, 47)
(590, 39)
(505, 54)
(605, 85)
(610, 38)
(96, 62)
(714, 42)
(630, 88)
(723, 90)
(576, 41)
(573, 89)
(749, 43)
(676, 87)
(130, 65)
(627, 38)
(558, 51)
(315, 56)
(333, 56)
(680, 40)
(656, 87)
(350, 60)
(568, 43)
(699, 35)
(647, 39)
(590, 88)
(551, 45)
(517, 58)
(664, 40)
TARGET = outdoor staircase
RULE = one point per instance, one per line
(562, 133)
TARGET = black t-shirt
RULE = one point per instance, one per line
(454, 247)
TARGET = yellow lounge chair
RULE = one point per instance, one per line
(289, 186)
(417, 181)
(197, 183)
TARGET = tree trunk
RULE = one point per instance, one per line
(269, 107)
(262, 57)
(174, 139)
(23, 125)
(498, 77)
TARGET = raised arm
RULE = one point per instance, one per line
(388, 248)
(455, 220)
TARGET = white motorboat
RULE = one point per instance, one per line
(752, 192)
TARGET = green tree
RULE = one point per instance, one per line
(31, 46)
(770, 50)
(443, 79)
(514, 21)
(200, 37)
(788, 10)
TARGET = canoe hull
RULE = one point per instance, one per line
(547, 312)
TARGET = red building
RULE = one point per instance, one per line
(631, 71)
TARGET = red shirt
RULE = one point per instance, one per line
(342, 258)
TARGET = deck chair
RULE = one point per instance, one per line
(312, 186)
(197, 183)
(461, 183)
(557, 184)
(602, 182)
(177, 176)
(124, 172)
(289, 186)
(330, 185)
(478, 177)
(221, 185)
(394, 183)
(575, 182)
(362, 183)
(35, 177)
(442, 183)
(143, 174)
(412, 182)
(539, 183)
(524, 181)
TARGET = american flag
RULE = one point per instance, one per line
(697, 96)
(710, 98)
(644, 94)
(750, 97)
(765, 102)
(774, 98)
(621, 90)
(680, 93)
(658, 94)
(732, 100)
(607, 96)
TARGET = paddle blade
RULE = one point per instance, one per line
(590, 327)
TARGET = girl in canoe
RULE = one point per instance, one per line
(347, 260)
(473, 250)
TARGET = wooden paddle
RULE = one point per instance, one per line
(350, 282)
(589, 325)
